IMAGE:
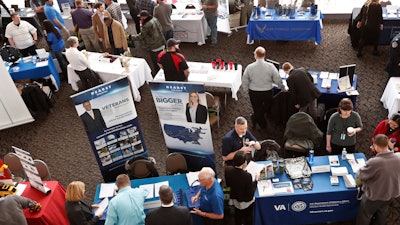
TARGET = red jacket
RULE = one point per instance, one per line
(383, 127)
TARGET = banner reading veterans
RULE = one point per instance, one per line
(185, 128)
(109, 116)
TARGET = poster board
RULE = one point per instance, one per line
(347, 70)
(109, 117)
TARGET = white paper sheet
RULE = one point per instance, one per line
(101, 207)
(254, 168)
(149, 188)
(157, 187)
(192, 177)
(324, 75)
(20, 189)
(106, 190)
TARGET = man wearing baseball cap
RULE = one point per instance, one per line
(151, 36)
(174, 63)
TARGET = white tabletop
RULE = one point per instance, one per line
(204, 73)
(190, 25)
(391, 96)
(139, 72)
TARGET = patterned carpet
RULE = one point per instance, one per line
(60, 140)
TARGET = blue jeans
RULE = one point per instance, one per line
(212, 23)
(168, 34)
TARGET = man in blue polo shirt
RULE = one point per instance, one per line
(238, 139)
(56, 19)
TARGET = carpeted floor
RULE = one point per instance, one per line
(60, 140)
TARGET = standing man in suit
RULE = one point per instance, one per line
(302, 89)
(92, 119)
(168, 213)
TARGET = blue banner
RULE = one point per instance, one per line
(109, 117)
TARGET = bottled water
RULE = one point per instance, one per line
(344, 154)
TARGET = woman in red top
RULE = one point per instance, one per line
(391, 129)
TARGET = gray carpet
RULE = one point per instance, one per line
(60, 140)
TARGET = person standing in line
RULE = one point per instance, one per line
(57, 45)
(210, 8)
(246, 8)
(147, 5)
(337, 134)
(56, 19)
(127, 207)
(258, 80)
(211, 198)
(163, 12)
(114, 37)
(378, 172)
(134, 12)
(98, 22)
(173, 63)
(21, 35)
(38, 8)
(82, 20)
(302, 89)
(114, 9)
(78, 212)
(151, 37)
(242, 189)
(168, 213)
(238, 139)
(370, 21)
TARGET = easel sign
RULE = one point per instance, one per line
(31, 170)
(348, 70)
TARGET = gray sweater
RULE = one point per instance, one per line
(338, 125)
(11, 209)
(381, 179)
(163, 13)
(260, 76)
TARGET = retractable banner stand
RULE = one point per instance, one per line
(192, 139)
(109, 116)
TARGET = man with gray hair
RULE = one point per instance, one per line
(127, 207)
(238, 139)
(211, 198)
(168, 213)
(258, 79)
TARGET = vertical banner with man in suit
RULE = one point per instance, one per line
(183, 113)
(109, 116)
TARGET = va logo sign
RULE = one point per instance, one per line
(280, 207)
(299, 206)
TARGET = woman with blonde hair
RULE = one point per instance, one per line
(195, 112)
(78, 212)
(370, 21)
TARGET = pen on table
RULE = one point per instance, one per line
(263, 188)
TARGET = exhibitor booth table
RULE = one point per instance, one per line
(324, 203)
(26, 69)
(139, 72)
(204, 73)
(274, 27)
(190, 25)
(53, 205)
(391, 96)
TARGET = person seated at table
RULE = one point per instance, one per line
(302, 90)
(390, 128)
(211, 198)
(80, 65)
(242, 189)
(168, 213)
(380, 181)
(338, 136)
(238, 139)
(114, 37)
(11, 207)
(127, 207)
(56, 41)
(21, 35)
(195, 112)
(173, 62)
(78, 212)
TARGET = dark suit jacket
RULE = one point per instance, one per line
(178, 215)
(201, 114)
(79, 213)
(93, 125)
(301, 87)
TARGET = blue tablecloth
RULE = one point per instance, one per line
(276, 27)
(324, 203)
(33, 71)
